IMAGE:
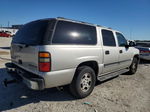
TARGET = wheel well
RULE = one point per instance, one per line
(137, 56)
(92, 64)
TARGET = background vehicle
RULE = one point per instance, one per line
(144, 48)
(5, 34)
(55, 52)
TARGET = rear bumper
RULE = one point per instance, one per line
(31, 80)
(145, 57)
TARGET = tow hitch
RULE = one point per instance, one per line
(11, 69)
(19, 75)
(6, 82)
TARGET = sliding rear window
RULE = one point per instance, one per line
(35, 33)
(74, 33)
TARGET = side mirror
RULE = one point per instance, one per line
(127, 46)
(131, 43)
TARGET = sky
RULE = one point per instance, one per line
(131, 17)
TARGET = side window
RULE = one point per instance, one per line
(74, 33)
(121, 40)
(108, 38)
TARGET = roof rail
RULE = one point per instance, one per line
(76, 21)
(99, 25)
(109, 28)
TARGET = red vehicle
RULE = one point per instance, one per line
(4, 34)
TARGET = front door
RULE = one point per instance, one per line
(125, 53)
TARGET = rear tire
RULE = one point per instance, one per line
(133, 66)
(83, 82)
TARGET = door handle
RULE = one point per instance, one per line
(107, 52)
(120, 51)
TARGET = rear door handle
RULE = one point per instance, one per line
(120, 51)
(107, 52)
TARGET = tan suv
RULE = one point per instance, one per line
(56, 52)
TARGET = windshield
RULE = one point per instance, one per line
(32, 33)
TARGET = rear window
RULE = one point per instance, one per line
(33, 33)
(74, 33)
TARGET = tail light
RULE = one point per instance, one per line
(142, 51)
(44, 62)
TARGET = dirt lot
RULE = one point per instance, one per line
(126, 93)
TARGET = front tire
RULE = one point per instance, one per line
(83, 82)
(133, 66)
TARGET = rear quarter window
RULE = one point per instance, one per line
(74, 33)
(34, 33)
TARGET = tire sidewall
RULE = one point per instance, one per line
(78, 81)
(135, 61)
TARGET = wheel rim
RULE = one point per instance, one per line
(86, 82)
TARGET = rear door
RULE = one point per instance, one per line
(111, 54)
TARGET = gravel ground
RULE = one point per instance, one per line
(126, 93)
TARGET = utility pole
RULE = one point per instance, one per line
(1, 27)
(8, 23)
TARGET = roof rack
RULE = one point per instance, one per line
(76, 21)
(109, 28)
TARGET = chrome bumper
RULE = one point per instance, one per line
(32, 81)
